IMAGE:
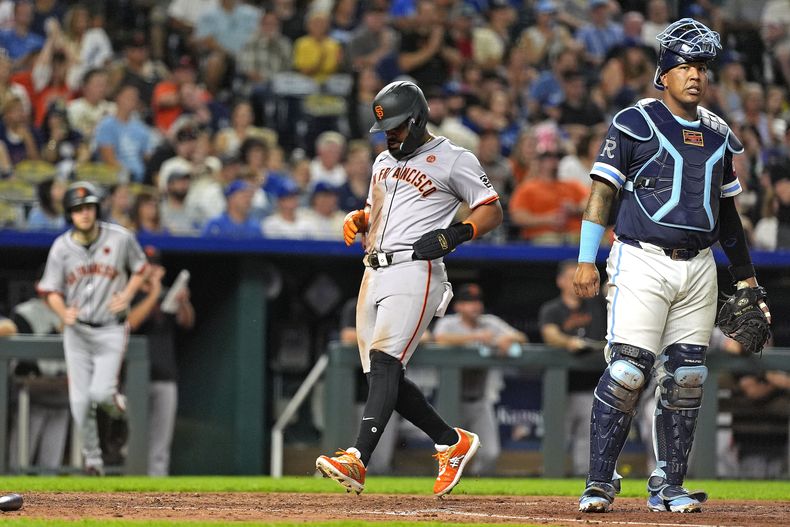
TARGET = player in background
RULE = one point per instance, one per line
(671, 160)
(92, 272)
(417, 186)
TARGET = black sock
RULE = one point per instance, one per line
(383, 381)
(416, 409)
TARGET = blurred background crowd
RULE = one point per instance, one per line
(250, 119)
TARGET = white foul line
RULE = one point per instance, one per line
(538, 518)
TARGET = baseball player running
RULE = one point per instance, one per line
(417, 186)
(87, 283)
(671, 160)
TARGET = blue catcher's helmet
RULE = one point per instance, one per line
(682, 42)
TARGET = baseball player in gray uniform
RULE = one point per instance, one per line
(416, 188)
(92, 272)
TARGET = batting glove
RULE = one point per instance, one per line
(354, 222)
(440, 242)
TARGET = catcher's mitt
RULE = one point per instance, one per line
(744, 318)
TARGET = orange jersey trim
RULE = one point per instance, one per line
(422, 312)
(486, 202)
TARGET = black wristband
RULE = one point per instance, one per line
(742, 272)
(463, 231)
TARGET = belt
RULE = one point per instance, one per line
(91, 324)
(376, 260)
(675, 254)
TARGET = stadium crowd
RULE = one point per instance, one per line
(250, 119)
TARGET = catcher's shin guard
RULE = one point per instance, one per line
(615, 402)
(679, 400)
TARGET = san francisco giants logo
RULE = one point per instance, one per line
(431, 158)
(81, 192)
(379, 112)
(608, 148)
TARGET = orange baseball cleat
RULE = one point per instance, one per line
(345, 468)
(453, 459)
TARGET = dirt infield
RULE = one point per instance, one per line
(379, 507)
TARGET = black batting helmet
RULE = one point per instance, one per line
(80, 193)
(397, 103)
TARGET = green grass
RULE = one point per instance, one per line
(633, 487)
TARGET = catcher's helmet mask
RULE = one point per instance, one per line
(80, 193)
(684, 42)
(397, 103)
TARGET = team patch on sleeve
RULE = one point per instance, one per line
(609, 173)
(733, 188)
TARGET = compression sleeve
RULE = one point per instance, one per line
(590, 240)
(733, 241)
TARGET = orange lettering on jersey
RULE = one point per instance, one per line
(428, 192)
(92, 269)
(419, 179)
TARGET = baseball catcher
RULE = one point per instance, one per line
(745, 317)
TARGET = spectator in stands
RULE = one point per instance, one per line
(327, 166)
(426, 50)
(236, 222)
(147, 317)
(546, 92)
(197, 104)
(361, 118)
(166, 100)
(343, 20)
(86, 112)
(578, 326)
(43, 10)
(60, 143)
(548, 210)
(9, 88)
(523, 156)
(461, 24)
(657, 21)
(47, 213)
(221, 33)
(229, 139)
(138, 69)
(49, 403)
(185, 148)
(183, 16)
(16, 133)
(324, 218)
(353, 194)
(123, 140)
(145, 216)
(753, 113)
(442, 121)
(118, 205)
(261, 59)
(176, 217)
(371, 42)
(601, 34)
(288, 220)
(577, 107)
(48, 77)
(492, 40)
(732, 83)
(775, 33)
(480, 388)
(20, 43)
(773, 230)
(546, 38)
(316, 54)
(576, 166)
(87, 43)
(206, 198)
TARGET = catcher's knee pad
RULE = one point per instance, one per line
(681, 385)
(680, 396)
(625, 378)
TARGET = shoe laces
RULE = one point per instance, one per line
(346, 456)
(442, 458)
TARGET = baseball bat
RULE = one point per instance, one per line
(10, 502)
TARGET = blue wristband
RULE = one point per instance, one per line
(590, 240)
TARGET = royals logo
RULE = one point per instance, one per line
(379, 112)
(692, 137)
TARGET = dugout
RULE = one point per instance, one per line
(266, 309)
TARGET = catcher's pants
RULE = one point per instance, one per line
(654, 301)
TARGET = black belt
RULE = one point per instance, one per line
(675, 254)
(91, 324)
(373, 259)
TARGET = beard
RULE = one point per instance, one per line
(178, 195)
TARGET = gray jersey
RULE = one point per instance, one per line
(88, 277)
(422, 193)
